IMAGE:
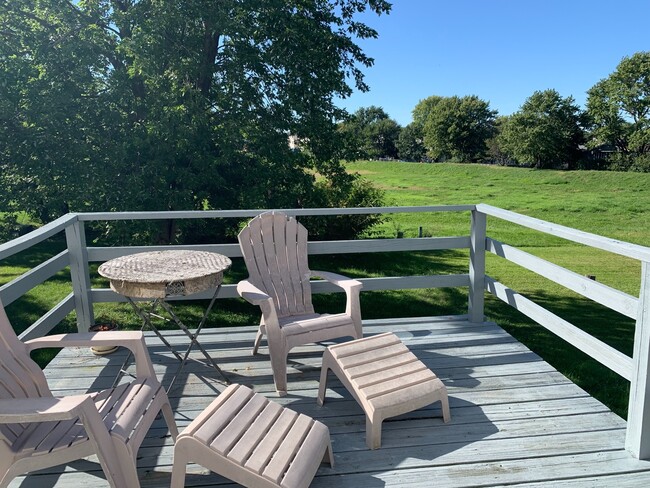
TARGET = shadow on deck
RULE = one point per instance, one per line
(515, 420)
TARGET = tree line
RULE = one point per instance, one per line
(548, 131)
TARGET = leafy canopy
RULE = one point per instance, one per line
(619, 106)
(163, 105)
(370, 133)
(546, 132)
(455, 128)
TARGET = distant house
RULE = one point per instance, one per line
(602, 152)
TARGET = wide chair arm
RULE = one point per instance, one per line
(352, 290)
(42, 409)
(252, 294)
(132, 340)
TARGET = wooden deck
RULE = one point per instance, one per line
(516, 421)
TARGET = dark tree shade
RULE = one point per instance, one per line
(619, 106)
(370, 133)
(455, 128)
(166, 105)
(546, 132)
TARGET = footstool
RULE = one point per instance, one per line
(253, 441)
(384, 377)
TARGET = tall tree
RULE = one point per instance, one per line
(370, 133)
(410, 145)
(546, 131)
(455, 128)
(619, 106)
(186, 104)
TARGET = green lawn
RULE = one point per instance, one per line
(616, 205)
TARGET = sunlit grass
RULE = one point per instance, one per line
(616, 205)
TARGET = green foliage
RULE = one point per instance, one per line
(619, 106)
(410, 144)
(455, 128)
(630, 162)
(546, 132)
(108, 105)
(356, 192)
(370, 134)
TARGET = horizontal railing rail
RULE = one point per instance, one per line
(78, 256)
(635, 369)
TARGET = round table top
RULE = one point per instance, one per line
(157, 274)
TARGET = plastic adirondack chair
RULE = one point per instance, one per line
(275, 251)
(38, 430)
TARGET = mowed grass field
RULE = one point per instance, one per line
(612, 204)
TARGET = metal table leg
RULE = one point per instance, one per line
(146, 315)
(194, 337)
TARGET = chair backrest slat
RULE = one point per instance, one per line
(275, 251)
(20, 376)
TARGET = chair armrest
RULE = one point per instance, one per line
(252, 294)
(352, 290)
(41, 409)
(132, 340)
(128, 339)
(338, 280)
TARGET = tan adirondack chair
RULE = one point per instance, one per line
(275, 251)
(38, 430)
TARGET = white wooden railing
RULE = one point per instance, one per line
(78, 255)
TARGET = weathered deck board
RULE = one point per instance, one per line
(515, 420)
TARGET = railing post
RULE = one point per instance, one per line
(637, 439)
(477, 267)
(76, 239)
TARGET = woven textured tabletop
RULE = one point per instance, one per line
(159, 274)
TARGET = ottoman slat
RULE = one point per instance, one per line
(371, 356)
(382, 364)
(253, 436)
(269, 445)
(388, 374)
(403, 383)
(316, 445)
(214, 424)
(240, 424)
(288, 449)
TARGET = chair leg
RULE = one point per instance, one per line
(444, 403)
(322, 385)
(127, 460)
(279, 366)
(179, 468)
(107, 452)
(328, 457)
(258, 340)
(373, 431)
(168, 415)
(6, 461)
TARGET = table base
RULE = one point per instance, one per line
(146, 316)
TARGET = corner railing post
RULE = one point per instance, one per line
(476, 306)
(80, 275)
(637, 440)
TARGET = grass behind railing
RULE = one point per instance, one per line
(616, 205)
(611, 204)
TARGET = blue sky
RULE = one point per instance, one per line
(500, 50)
